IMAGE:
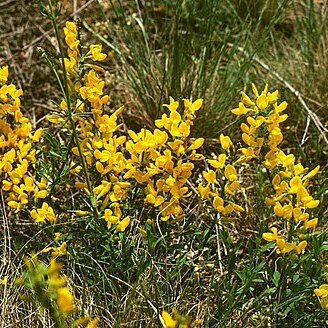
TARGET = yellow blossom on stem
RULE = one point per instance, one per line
(240, 110)
(169, 322)
(290, 198)
(204, 192)
(310, 224)
(284, 247)
(3, 74)
(122, 225)
(95, 52)
(300, 247)
(271, 236)
(322, 293)
(226, 142)
(209, 176)
(65, 300)
(70, 31)
(56, 251)
(44, 213)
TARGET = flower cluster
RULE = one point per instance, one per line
(290, 199)
(163, 160)
(221, 180)
(97, 144)
(292, 202)
(158, 162)
(17, 154)
(262, 127)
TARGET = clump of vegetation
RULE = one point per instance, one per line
(159, 217)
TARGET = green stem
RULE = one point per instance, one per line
(69, 109)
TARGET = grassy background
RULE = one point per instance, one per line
(209, 49)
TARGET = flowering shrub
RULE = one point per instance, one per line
(290, 196)
(17, 155)
(159, 162)
(163, 171)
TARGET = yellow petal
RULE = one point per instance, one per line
(123, 224)
(169, 322)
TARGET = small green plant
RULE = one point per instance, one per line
(49, 289)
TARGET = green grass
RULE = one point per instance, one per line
(185, 50)
(210, 50)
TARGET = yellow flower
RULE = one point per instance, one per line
(281, 107)
(322, 292)
(170, 181)
(70, 27)
(123, 224)
(310, 224)
(312, 173)
(284, 246)
(95, 52)
(70, 31)
(59, 251)
(178, 146)
(69, 65)
(255, 91)
(230, 173)
(103, 189)
(300, 247)
(272, 96)
(237, 208)
(204, 192)
(262, 101)
(271, 236)
(299, 215)
(218, 204)
(196, 144)
(226, 142)
(295, 184)
(55, 118)
(209, 176)
(173, 105)
(44, 213)
(193, 107)
(3, 74)
(110, 218)
(246, 100)
(93, 323)
(219, 163)
(285, 211)
(65, 300)
(165, 161)
(169, 322)
(240, 110)
(56, 251)
(232, 187)
(37, 135)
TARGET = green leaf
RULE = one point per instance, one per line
(276, 278)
